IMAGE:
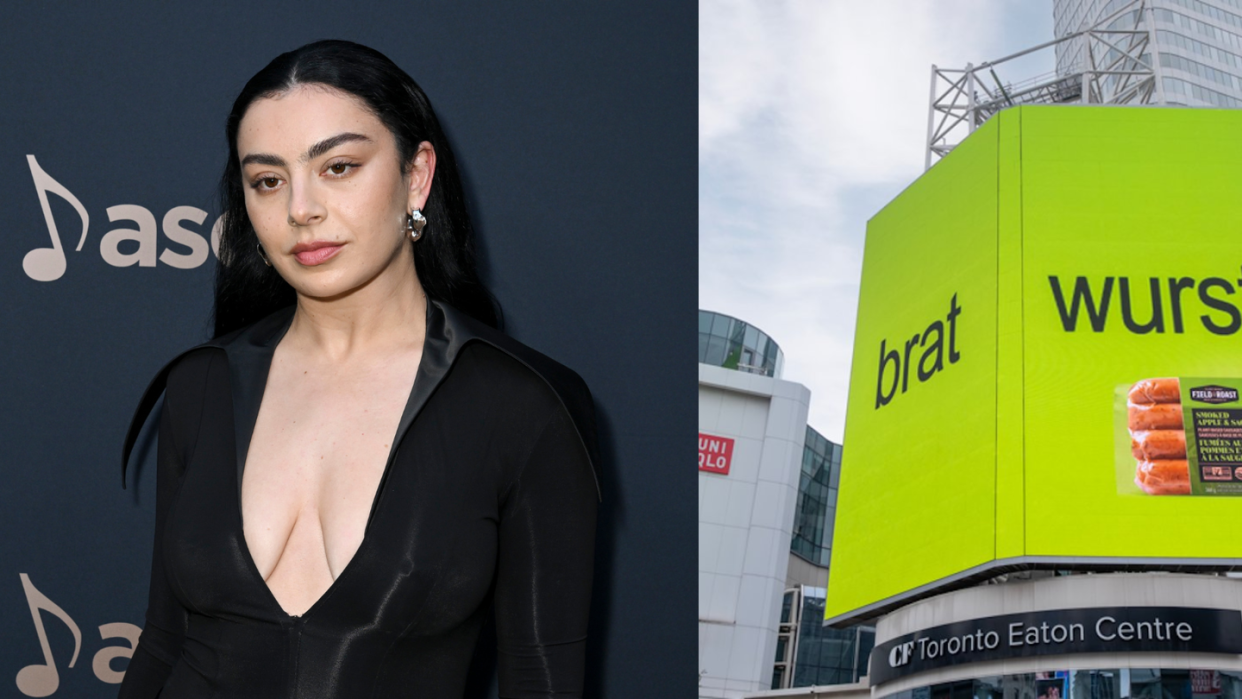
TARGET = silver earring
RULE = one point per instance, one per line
(414, 224)
(263, 254)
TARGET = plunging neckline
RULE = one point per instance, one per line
(402, 425)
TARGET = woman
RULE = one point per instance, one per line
(358, 466)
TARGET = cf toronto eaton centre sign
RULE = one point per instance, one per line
(1060, 632)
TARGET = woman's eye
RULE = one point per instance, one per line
(264, 184)
(267, 184)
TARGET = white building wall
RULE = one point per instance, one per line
(745, 524)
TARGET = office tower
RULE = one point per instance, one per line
(1197, 44)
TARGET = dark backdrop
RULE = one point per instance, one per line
(575, 124)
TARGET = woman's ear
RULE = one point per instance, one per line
(422, 171)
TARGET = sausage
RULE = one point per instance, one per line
(1171, 488)
(1149, 445)
(1156, 416)
(1163, 477)
(1157, 438)
(1156, 391)
(1164, 470)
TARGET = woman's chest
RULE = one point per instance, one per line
(426, 557)
(318, 451)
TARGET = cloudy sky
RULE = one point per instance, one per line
(812, 116)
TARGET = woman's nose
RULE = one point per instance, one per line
(304, 206)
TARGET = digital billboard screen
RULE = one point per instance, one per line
(1047, 358)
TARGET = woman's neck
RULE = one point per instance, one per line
(386, 314)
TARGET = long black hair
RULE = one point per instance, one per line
(247, 289)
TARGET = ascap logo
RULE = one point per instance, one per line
(42, 680)
(49, 263)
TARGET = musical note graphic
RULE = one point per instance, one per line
(48, 264)
(42, 680)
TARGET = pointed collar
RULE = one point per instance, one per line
(250, 350)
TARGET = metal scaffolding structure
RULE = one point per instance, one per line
(1119, 65)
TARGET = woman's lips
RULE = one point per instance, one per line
(318, 255)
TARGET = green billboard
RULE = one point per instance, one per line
(1047, 358)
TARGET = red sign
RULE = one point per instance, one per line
(1204, 682)
(715, 453)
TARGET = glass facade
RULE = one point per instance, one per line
(1122, 683)
(733, 344)
(1199, 43)
(817, 499)
(809, 653)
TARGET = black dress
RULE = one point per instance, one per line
(487, 501)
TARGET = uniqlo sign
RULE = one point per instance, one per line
(1205, 682)
(715, 453)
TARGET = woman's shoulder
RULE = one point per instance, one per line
(190, 373)
(192, 369)
(528, 379)
(181, 382)
(186, 379)
(490, 372)
(505, 353)
(191, 364)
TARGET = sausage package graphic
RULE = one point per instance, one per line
(1179, 436)
(1047, 359)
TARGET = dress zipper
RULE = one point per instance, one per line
(295, 638)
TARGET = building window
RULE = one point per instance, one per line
(1116, 683)
(808, 653)
(817, 499)
(730, 343)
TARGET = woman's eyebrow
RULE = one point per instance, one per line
(314, 151)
